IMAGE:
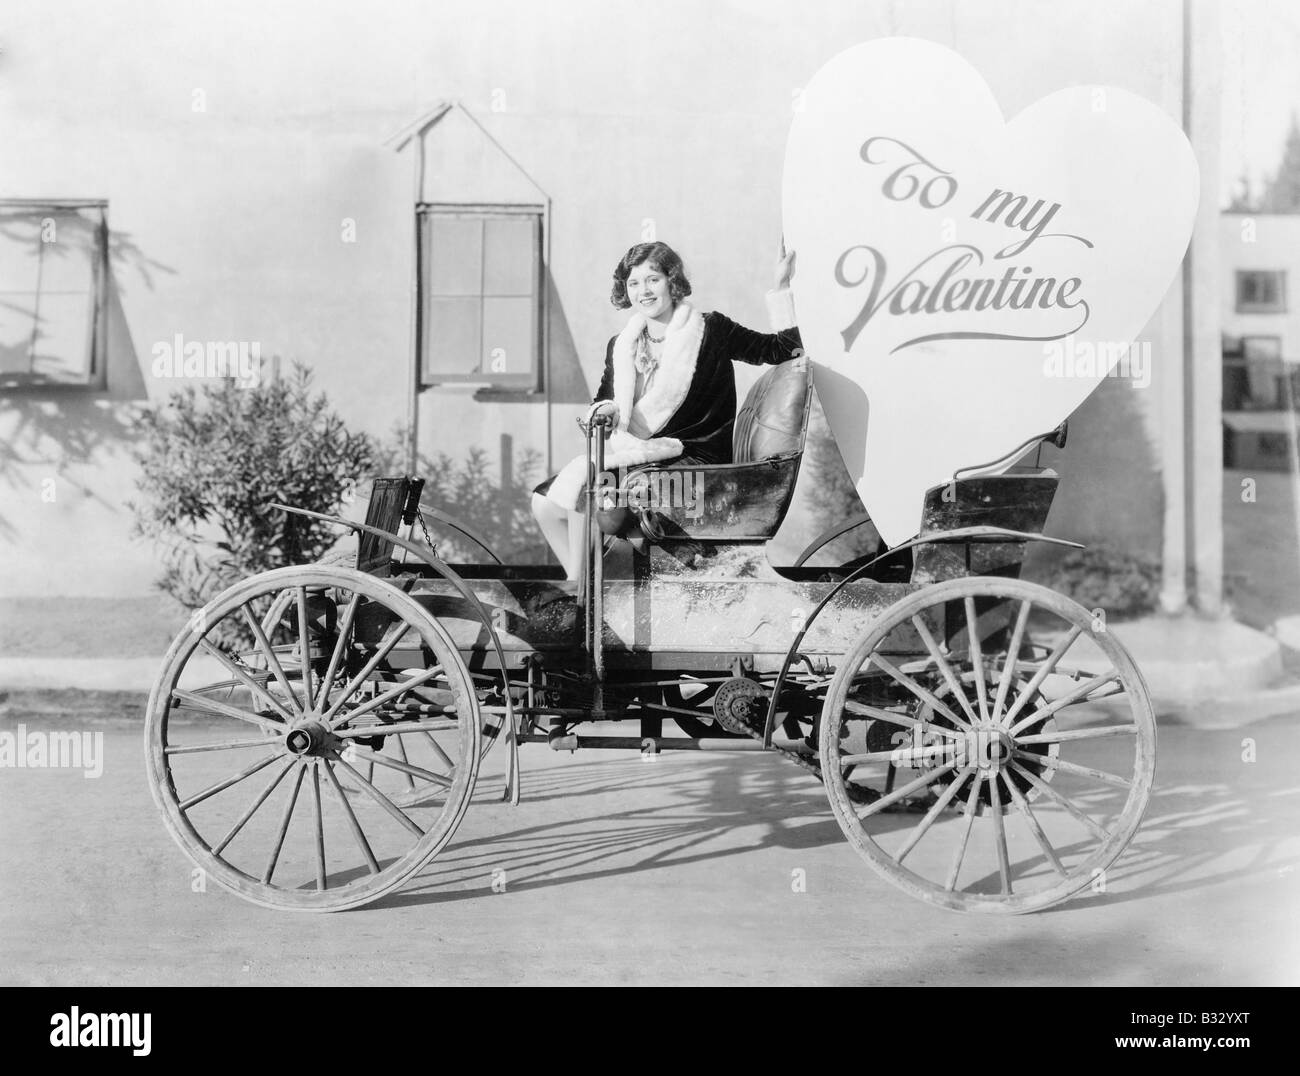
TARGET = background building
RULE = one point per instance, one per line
(1261, 345)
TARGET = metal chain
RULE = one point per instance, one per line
(794, 756)
(428, 538)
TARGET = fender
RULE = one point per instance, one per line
(959, 534)
(829, 535)
(434, 562)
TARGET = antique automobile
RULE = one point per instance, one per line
(986, 744)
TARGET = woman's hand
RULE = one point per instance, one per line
(604, 410)
(784, 267)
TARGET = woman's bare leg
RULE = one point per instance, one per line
(563, 531)
(554, 524)
(577, 545)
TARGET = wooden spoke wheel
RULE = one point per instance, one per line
(985, 749)
(319, 764)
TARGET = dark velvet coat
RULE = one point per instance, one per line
(703, 423)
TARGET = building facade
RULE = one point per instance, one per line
(1261, 339)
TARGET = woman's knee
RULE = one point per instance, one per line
(544, 507)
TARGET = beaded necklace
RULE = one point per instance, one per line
(649, 350)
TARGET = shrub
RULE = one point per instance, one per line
(1102, 576)
(212, 461)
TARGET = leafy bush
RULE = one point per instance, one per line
(212, 461)
(1104, 577)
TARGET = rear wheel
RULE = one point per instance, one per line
(978, 780)
(305, 767)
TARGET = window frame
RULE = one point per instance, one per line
(1274, 339)
(96, 364)
(1273, 365)
(1245, 306)
(529, 381)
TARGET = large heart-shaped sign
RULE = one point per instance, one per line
(963, 282)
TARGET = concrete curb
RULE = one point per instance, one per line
(1233, 712)
(1211, 674)
(1186, 659)
(83, 674)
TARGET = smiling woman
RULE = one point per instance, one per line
(668, 382)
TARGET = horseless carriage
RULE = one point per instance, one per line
(984, 742)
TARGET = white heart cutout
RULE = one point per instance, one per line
(904, 192)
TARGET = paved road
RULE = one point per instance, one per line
(675, 871)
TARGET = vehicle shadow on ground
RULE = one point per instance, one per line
(698, 814)
(1195, 834)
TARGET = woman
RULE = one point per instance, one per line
(668, 382)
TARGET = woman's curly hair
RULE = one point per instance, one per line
(663, 258)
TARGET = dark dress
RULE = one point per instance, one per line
(705, 420)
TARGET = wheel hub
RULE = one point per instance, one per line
(986, 748)
(309, 738)
(989, 748)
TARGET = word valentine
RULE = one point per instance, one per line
(948, 280)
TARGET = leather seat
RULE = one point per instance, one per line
(774, 417)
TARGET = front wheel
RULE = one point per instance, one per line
(313, 738)
(988, 747)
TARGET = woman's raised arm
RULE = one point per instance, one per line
(784, 342)
(759, 349)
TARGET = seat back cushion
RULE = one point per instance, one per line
(772, 420)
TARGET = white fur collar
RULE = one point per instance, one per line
(672, 379)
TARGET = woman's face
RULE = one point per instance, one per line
(647, 290)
